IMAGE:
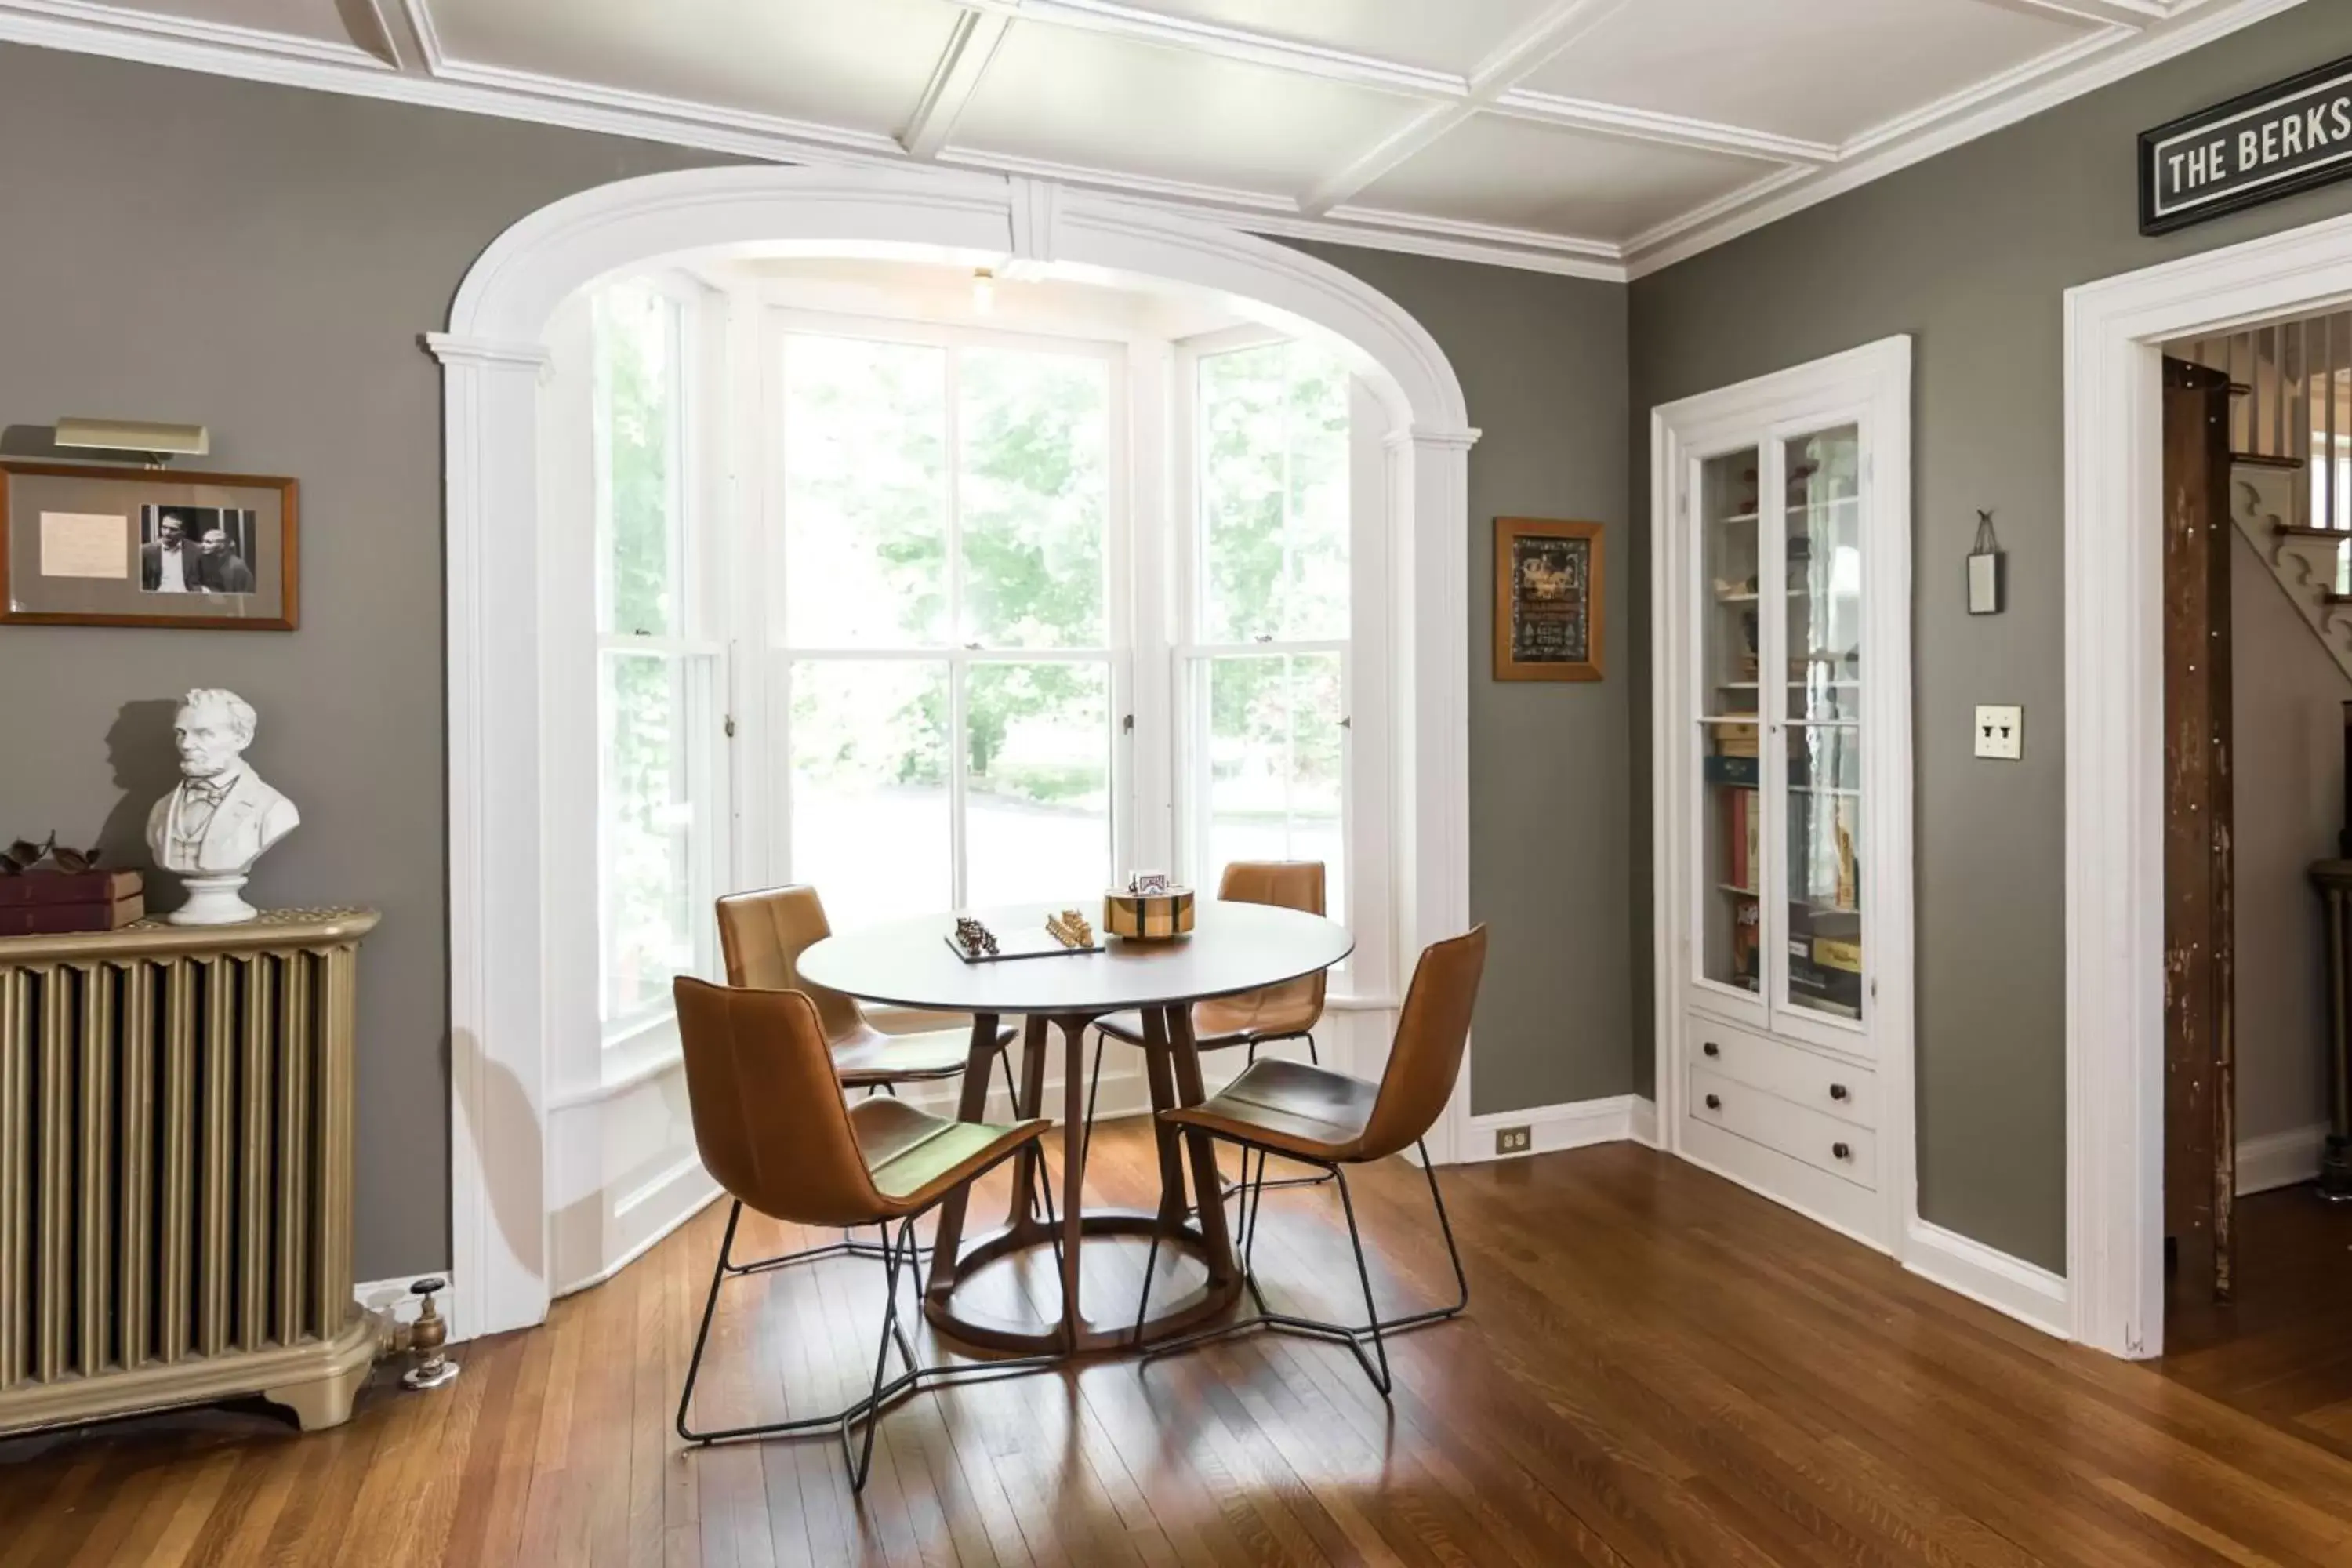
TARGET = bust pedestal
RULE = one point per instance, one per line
(212, 900)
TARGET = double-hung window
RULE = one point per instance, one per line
(945, 645)
(661, 817)
(1264, 661)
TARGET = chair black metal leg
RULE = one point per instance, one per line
(903, 1250)
(702, 1340)
(1375, 1328)
(863, 1463)
(1372, 1311)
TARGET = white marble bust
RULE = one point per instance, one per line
(222, 817)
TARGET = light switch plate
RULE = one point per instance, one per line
(2000, 732)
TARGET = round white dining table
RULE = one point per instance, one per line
(1233, 948)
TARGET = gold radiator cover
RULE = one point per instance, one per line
(175, 1169)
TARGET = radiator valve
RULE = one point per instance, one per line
(425, 1338)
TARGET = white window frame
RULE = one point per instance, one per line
(1364, 980)
(781, 321)
(645, 1040)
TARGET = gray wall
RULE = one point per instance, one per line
(2287, 778)
(1542, 364)
(261, 259)
(1971, 253)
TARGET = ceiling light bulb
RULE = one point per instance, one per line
(983, 291)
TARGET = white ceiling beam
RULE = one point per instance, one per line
(1232, 43)
(1674, 130)
(2132, 13)
(1562, 24)
(428, 55)
(971, 44)
(363, 20)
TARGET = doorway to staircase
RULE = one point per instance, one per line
(2257, 520)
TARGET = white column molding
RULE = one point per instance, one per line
(493, 357)
(496, 1068)
(1430, 476)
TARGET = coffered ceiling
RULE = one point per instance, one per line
(1600, 137)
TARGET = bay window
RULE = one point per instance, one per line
(659, 781)
(1269, 619)
(943, 668)
(1023, 610)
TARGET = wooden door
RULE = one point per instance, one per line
(2200, 1142)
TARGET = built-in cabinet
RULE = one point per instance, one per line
(1783, 808)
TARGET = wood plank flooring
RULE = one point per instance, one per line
(1657, 1368)
(2281, 1350)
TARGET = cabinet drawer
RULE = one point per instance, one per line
(1802, 1076)
(1802, 1134)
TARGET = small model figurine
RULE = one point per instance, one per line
(1070, 928)
(974, 938)
(222, 817)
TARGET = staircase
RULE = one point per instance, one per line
(2291, 473)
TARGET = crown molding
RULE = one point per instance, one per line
(2065, 74)
(157, 39)
(1806, 172)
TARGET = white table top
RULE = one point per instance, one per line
(1233, 948)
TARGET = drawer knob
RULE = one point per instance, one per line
(1843, 1150)
(1838, 1091)
(1715, 1103)
(1711, 1048)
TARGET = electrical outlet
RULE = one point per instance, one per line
(1514, 1139)
(2000, 732)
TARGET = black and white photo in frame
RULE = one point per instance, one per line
(195, 550)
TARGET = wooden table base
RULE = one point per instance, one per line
(1172, 1068)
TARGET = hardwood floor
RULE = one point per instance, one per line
(2281, 1349)
(1657, 1367)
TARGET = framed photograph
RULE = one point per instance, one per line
(146, 547)
(1546, 600)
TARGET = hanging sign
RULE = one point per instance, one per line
(2287, 137)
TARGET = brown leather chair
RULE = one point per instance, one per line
(1285, 1012)
(762, 936)
(773, 1129)
(1331, 1120)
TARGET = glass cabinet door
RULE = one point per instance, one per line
(1821, 551)
(1730, 674)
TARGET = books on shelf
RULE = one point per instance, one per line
(1825, 958)
(1742, 840)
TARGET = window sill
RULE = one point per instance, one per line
(632, 1055)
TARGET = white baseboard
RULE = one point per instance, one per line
(1551, 1128)
(2280, 1159)
(1644, 1128)
(2031, 1294)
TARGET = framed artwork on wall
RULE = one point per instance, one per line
(147, 547)
(1547, 585)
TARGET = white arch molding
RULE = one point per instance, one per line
(493, 357)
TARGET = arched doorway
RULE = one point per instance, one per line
(500, 756)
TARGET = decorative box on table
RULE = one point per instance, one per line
(1158, 915)
(49, 903)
